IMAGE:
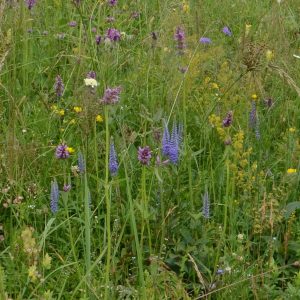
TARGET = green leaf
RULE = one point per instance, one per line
(290, 208)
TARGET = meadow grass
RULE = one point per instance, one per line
(210, 210)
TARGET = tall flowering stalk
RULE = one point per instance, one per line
(113, 162)
(179, 37)
(54, 196)
(111, 96)
(59, 86)
(171, 142)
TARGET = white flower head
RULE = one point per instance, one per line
(91, 82)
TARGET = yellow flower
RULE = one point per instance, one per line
(269, 55)
(214, 85)
(292, 129)
(32, 273)
(291, 171)
(99, 119)
(247, 29)
(70, 150)
(254, 96)
(61, 112)
(185, 7)
(47, 261)
(54, 107)
(77, 109)
(90, 82)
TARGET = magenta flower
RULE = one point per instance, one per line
(30, 3)
(144, 155)
(179, 36)
(62, 151)
(112, 2)
(111, 95)
(113, 34)
(98, 39)
(228, 119)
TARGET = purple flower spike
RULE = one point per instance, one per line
(113, 162)
(62, 151)
(111, 95)
(227, 31)
(228, 119)
(144, 155)
(91, 75)
(59, 86)
(98, 39)
(205, 40)
(113, 35)
(30, 3)
(54, 196)
(67, 187)
(72, 24)
(112, 2)
(180, 38)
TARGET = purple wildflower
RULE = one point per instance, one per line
(206, 205)
(98, 39)
(111, 95)
(30, 3)
(81, 163)
(205, 40)
(227, 31)
(59, 86)
(220, 272)
(179, 36)
(113, 161)
(112, 2)
(67, 187)
(113, 35)
(62, 151)
(94, 29)
(72, 24)
(91, 74)
(227, 121)
(54, 196)
(144, 155)
(171, 142)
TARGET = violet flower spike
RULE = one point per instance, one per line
(180, 38)
(205, 40)
(62, 151)
(144, 155)
(98, 39)
(91, 75)
(54, 196)
(227, 31)
(206, 205)
(30, 3)
(174, 145)
(113, 161)
(228, 119)
(113, 35)
(111, 95)
(59, 86)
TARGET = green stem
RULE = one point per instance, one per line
(107, 201)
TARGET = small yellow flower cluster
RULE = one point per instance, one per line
(29, 243)
(215, 122)
(77, 109)
(99, 119)
(71, 150)
(291, 171)
(57, 110)
(254, 97)
(185, 7)
(292, 129)
(269, 55)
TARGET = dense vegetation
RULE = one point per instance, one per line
(149, 149)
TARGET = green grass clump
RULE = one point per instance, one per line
(222, 222)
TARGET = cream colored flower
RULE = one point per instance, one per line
(91, 82)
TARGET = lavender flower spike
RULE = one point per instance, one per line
(144, 155)
(206, 205)
(30, 3)
(174, 145)
(227, 31)
(205, 40)
(54, 196)
(111, 95)
(113, 35)
(180, 38)
(62, 151)
(228, 119)
(113, 162)
(59, 86)
(81, 163)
